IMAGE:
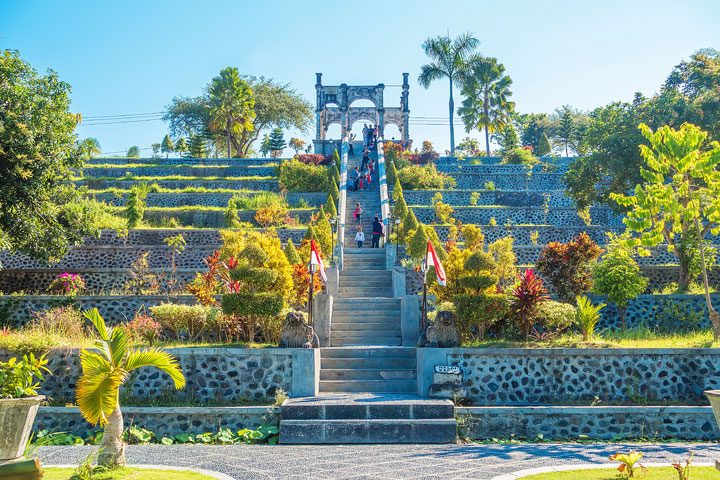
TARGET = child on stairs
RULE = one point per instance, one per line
(359, 237)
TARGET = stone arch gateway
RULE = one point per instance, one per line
(333, 105)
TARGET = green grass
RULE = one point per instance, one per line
(635, 338)
(653, 473)
(127, 474)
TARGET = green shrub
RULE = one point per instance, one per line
(291, 253)
(555, 317)
(296, 176)
(474, 198)
(244, 304)
(519, 156)
(587, 316)
(257, 201)
(567, 266)
(22, 378)
(182, 321)
(255, 279)
(424, 177)
(477, 313)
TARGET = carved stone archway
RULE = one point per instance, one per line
(333, 106)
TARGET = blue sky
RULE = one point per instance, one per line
(128, 57)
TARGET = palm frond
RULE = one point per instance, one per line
(464, 44)
(97, 320)
(97, 389)
(429, 73)
(154, 357)
(118, 345)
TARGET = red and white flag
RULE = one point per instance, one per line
(432, 260)
(316, 260)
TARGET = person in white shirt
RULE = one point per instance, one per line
(359, 237)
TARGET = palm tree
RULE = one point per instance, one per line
(104, 370)
(486, 103)
(232, 105)
(451, 59)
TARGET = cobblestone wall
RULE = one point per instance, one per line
(557, 217)
(269, 185)
(571, 376)
(163, 421)
(608, 423)
(206, 199)
(184, 161)
(186, 171)
(212, 374)
(510, 181)
(461, 198)
(212, 218)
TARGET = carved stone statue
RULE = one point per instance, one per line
(442, 333)
(296, 333)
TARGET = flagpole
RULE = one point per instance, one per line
(310, 295)
(423, 317)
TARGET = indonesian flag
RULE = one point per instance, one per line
(316, 260)
(432, 260)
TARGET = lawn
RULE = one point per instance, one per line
(653, 473)
(127, 474)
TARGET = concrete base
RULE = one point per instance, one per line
(410, 319)
(305, 372)
(322, 317)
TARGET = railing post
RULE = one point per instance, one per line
(384, 200)
(342, 202)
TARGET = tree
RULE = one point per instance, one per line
(232, 106)
(181, 145)
(469, 147)
(298, 144)
(41, 211)
(156, 147)
(330, 207)
(618, 276)
(265, 146)
(527, 295)
(104, 370)
(197, 147)
(167, 145)
(451, 59)
(679, 201)
(133, 152)
(508, 139)
(291, 253)
(566, 127)
(532, 126)
(486, 105)
(91, 147)
(567, 266)
(544, 148)
(277, 142)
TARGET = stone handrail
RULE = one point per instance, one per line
(384, 199)
(343, 202)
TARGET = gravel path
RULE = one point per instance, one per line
(446, 462)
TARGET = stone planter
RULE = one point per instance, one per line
(714, 397)
(16, 420)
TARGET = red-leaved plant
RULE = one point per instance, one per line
(311, 158)
(527, 294)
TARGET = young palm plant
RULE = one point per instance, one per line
(104, 370)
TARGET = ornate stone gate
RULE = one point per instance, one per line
(333, 106)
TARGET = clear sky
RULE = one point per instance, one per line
(130, 56)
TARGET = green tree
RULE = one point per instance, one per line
(679, 199)
(133, 152)
(182, 145)
(451, 59)
(197, 147)
(167, 145)
(41, 211)
(232, 107)
(291, 253)
(277, 142)
(91, 147)
(330, 207)
(508, 139)
(298, 144)
(486, 105)
(544, 148)
(409, 225)
(104, 370)
(566, 127)
(265, 146)
(469, 147)
(135, 207)
(618, 276)
(532, 126)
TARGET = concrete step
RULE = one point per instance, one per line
(376, 352)
(365, 252)
(355, 304)
(360, 273)
(383, 334)
(340, 320)
(367, 406)
(375, 386)
(359, 363)
(367, 374)
(368, 431)
(369, 281)
(367, 342)
(391, 324)
(355, 292)
(365, 266)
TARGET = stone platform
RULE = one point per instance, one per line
(367, 418)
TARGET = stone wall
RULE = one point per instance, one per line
(181, 170)
(601, 422)
(200, 218)
(184, 161)
(156, 236)
(519, 198)
(163, 421)
(212, 375)
(559, 376)
(546, 234)
(557, 216)
(500, 169)
(268, 185)
(559, 161)
(207, 199)
(510, 181)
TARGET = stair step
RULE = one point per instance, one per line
(367, 374)
(375, 386)
(348, 363)
(379, 327)
(348, 319)
(377, 352)
(368, 431)
(386, 333)
(367, 407)
(360, 273)
(367, 342)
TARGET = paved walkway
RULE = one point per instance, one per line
(446, 462)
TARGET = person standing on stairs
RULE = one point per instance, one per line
(357, 213)
(365, 159)
(350, 145)
(356, 179)
(359, 237)
(377, 232)
(366, 134)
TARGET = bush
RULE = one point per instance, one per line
(257, 201)
(311, 158)
(473, 237)
(567, 266)
(425, 156)
(254, 279)
(62, 322)
(67, 284)
(519, 156)
(185, 321)
(142, 328)
(528, 293)
(502, 251)
(555, 317)
(22, 378)
(477, 313)
(296, 176)
(244, 304)
(270, 216)
(587, 316)
(416, 177)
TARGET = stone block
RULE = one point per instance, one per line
(305, 372)
(409, 319)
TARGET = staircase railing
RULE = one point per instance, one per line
(342, 202)
(384, 199)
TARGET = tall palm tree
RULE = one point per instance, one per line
(486, 105)
(232, 105)
(451, 59)
(104, 370)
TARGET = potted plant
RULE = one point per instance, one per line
(19, 402)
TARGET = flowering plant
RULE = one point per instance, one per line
(67, 284)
